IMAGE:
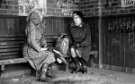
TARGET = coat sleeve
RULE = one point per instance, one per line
(68, 32)
(31, 36)
(87, 41)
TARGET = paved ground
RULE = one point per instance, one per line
(94, 76)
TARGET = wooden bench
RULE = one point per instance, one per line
(11, 49)
(11, 46)
(11, 61)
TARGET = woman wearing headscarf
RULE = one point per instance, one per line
(35, 49)
(80, 36)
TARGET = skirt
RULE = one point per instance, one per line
(37, 59)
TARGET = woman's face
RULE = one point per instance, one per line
(77, 20)
(36, 19)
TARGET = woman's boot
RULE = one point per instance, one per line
(82, 60)
(43, 73)
(77, 64)
(50, 73)
(83, 68)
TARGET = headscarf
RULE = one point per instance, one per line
(34, 13)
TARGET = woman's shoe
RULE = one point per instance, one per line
(50, 74)
(84, 69)
(43, 73)
(74, 65)
(82, 61)
(44, 77)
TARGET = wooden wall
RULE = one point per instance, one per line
(56, 25)
(119, 41)
(93, 23)
(12, 35)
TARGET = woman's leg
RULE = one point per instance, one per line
(45, 67)
(43, 72)
(83, 67)
(79, 56)
(73, 52)
(75, 60)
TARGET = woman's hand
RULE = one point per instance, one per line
(43, 49)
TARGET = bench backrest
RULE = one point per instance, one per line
(11, 46)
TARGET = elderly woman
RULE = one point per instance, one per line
(80, 36)
(35, 49)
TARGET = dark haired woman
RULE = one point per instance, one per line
(80, 36)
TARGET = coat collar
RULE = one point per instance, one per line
(73, 25)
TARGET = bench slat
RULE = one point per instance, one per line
(10, 46)
(11, 39)
(9, 36)
(11, 43)
(10, 50)
(9, 53)
(12, 61)
(9, 57)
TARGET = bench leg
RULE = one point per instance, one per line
(2, 67)
(67, 67)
